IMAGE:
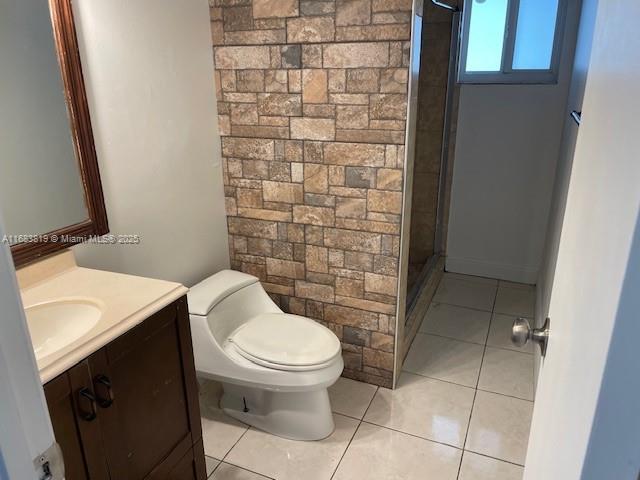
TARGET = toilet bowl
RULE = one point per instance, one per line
(274, 367)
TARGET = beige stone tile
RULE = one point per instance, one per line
(425, 407)
(479, 467)
(303, 128)
(445, 359)
(227, 471)
(353, 12)
(313, 215)
(500, 333)
(352, 116)
(245, 57)
(499, 427)
(251, 148)
(314, 86)
(374, 32)
(350, 316)
(455, 322)
(384, 201)
(363, 80)
(286, 459)
(356, 55)
(377, 453)
(466, 293)
(219, 431)
(314, 291)
(275, 8)
(310, 29)
(516, 301)
(507, 372)
(350, 397)
(352, 240)
(388, 106)
(384, 284)
(279, 104)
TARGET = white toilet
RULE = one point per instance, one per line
(275, 367)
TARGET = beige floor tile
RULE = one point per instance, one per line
(424, 407)
(219, 431)
(350, 397)
(230, 472)
(471, 278)
(284, 459)
(455, 290)
(378, 453)
(499, 427)
(507, 372)
(523, 286)
(456, 322)
(515, 301)
(211, 463)
(478, 467)
(445, 359)
(500, 333)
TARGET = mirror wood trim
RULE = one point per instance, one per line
(66, 43)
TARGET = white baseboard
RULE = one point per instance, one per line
(501, 271)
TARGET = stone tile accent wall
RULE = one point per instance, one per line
(312, 98)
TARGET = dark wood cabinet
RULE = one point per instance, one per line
(130, 411)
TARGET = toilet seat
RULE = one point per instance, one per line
(285, 342)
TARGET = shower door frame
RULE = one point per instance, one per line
(402, 313)
(443, 177)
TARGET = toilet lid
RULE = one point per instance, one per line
(285, 340)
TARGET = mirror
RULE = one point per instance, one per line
(50, 191)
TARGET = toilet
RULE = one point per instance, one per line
(274, 367)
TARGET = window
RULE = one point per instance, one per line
(511, 41)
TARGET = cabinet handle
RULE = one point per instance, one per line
(85, 393)
(103, 382)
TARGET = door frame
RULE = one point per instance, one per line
(26, 428)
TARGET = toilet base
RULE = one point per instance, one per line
(293, 415)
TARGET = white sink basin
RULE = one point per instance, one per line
(54, 325)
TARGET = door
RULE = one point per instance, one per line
(26, 430)
(563, 169)
(585, 422)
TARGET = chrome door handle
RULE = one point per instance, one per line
(521, 333)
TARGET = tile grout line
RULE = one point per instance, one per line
(235, 443)
(473, 343)
(412, 435)
(495, 458)
(475, 393)
(247, 470)
(354, 433)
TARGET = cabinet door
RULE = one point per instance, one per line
(191, 466)
(145, 381)
(69, 399)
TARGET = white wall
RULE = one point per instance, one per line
(149, 73)
(507, 146)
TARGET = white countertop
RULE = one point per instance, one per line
(126, 301)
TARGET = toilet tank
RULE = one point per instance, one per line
(228, 299)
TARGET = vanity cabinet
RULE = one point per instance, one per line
(130, 410)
